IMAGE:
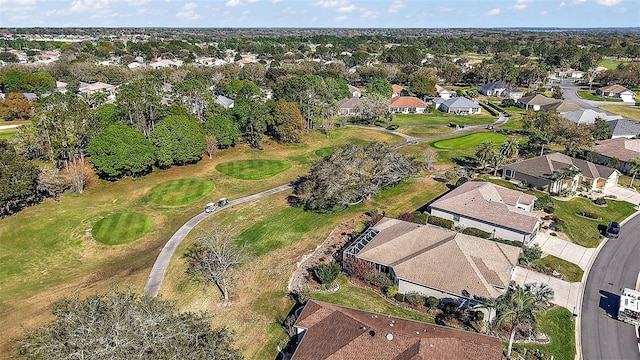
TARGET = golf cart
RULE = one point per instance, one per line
(223, 201)
(210, 207)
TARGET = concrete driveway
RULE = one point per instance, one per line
(564, 249)
(565, 293)
(624, 194)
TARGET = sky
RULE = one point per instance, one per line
(321, 13)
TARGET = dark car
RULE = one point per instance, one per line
(613, 230)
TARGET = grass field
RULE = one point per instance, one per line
(630, 112)
(257, 169)
(559, 324)
(180, 192)
(468, 141)
(609, 63)
(424, 131)
(48, 251)
(438, 118)
(590, 95)
(583, 231)
(121, 228)
(570, 271)
(324, 151)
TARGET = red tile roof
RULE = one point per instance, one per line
(407, 101)
(338, 333)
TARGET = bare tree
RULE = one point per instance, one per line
(212, 144)
(76, 173)
(52, 183)
(214, 256)
(429, 156)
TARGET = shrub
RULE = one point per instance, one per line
(420, 218)
(600, 201)
(431, 302)
(438, 221)
(543, 202)
(380, 280)
(399, 297)
(508, 103)
(588, 215)
(559, 225)
(393, 127)
(461, 181)
(476, 232)
(530, 254)
(406, 217)
(392, 291)
(358, 268)
(414, 298)
(326, 273)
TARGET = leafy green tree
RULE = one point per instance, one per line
(379, 86)
(423, 85)
(139, 103)
(40, 82)
(178, 140)
(326, 273)
(221, 125)
(14, 81)
(286, 123)
(18, 181)
(351, 175)
(121, 151)
(108, 114)
(600, 130)
(240, 88)
(194, 94)
(8, 57)
(124, 325)
(251, 115)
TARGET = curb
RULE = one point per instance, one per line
(585, 275)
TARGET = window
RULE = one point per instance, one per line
(456, 217)
(509, 173)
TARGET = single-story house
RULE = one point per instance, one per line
(351, 106)
(624, 128)
(457, 105)
(398, 91)
(407, 104)
(224, 101)
(617, 91)
(97, 87)
(535, 102)
(539, 173)
(502, 212)
(355, 92)
(587, 116)
(500, 89)
(560, 107)
(328, 331)
(444, 93)
(435, 261)
(620, 148)
(61, 87)
(162, 63)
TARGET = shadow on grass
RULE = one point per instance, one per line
(609, 302)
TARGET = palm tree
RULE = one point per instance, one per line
(499, 159)
(510, 148)
(517, 307)
(542, 292)
(485, 153)
(634, 169)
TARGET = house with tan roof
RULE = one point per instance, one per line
(535, 102)
(407, 104)
(502, 212)
(355, 92)
(623, 149)
(350, 107)
(327, 331)
(435, 261)
(617, 91)
(539, 173)
(398, 91)
(560, 107)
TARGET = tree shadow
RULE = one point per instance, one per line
(609, 302)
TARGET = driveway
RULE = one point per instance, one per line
(623, 193)
(565, 293)
(564, 249)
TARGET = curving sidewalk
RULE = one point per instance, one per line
(162, 262)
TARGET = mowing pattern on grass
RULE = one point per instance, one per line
(253, 169)
(468, 141)
(180, 192)
(325, 151)
(121, 228)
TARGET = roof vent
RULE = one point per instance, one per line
(372, 333)
(391, 324)
(389, 336)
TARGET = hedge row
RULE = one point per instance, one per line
(489, 110)
(476, 232)
(442, 222)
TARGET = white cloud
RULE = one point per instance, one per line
(18, 2)
(522, 4)
(246, 12)
(252, 1)
(232, 3)
(493, 12)
(608, 2)
(346, 9)
(331, 3)
(341, 18)
(446, 9)
(577, 2)
(396, 5)
(369, 14)
(276, 1)
(188, 12)
(543, 12)
(289, 11)
(562, 4)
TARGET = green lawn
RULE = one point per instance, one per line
(364, 299)
(469, 141)
(438, 118)
(559, 324)
(609, 63)
(121, 228)
(257, 169)
(423, 131)
(180, 192)
(584, 231)
(570, 271)
(514, 123)
(630, 112)
(590, 95)
(324, 151)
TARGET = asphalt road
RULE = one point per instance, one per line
(616, 266)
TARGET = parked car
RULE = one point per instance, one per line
(613, 230)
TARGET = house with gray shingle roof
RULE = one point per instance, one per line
(624, 128)
(617, 91)
(539, 173)
(224, 101)
(500, 89)
(458, 105)
(588, 116)
(435, 261)
(329, 331)
(502, 212)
